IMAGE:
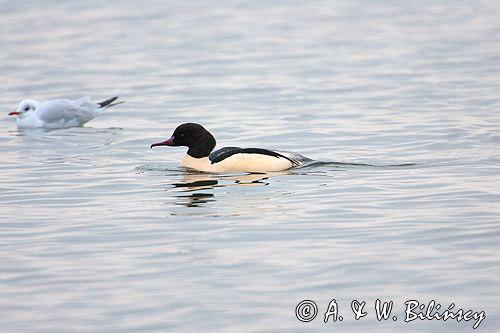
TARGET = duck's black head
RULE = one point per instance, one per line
(194, 136)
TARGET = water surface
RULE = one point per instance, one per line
(99, 233)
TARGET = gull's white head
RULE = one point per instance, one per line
(28, 105)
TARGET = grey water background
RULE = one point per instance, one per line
(98, 233)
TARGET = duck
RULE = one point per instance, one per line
(202, 157)
(59, 113)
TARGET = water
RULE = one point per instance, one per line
(99, 233)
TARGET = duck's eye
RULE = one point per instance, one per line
(26, 108)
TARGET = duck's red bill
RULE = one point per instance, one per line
(169, 142)
(14, 113)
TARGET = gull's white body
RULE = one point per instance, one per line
(58, 113)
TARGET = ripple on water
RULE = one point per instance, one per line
(395, 103)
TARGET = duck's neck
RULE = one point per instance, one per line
(203, 147)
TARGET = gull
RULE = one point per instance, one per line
(59, 113)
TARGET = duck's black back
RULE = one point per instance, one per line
(223, 153)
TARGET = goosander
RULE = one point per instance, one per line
(200, 155)
(59, 113)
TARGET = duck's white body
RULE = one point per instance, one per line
(58, 113)
(239, 163)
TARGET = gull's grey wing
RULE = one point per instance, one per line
(66, 111)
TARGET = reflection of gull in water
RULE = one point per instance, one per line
(87, 137)
(196, 182)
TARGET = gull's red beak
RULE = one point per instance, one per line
(14, 113)
(169, 142)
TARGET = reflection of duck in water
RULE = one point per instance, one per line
(200, 181)
(197, 182)
(200, 155)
